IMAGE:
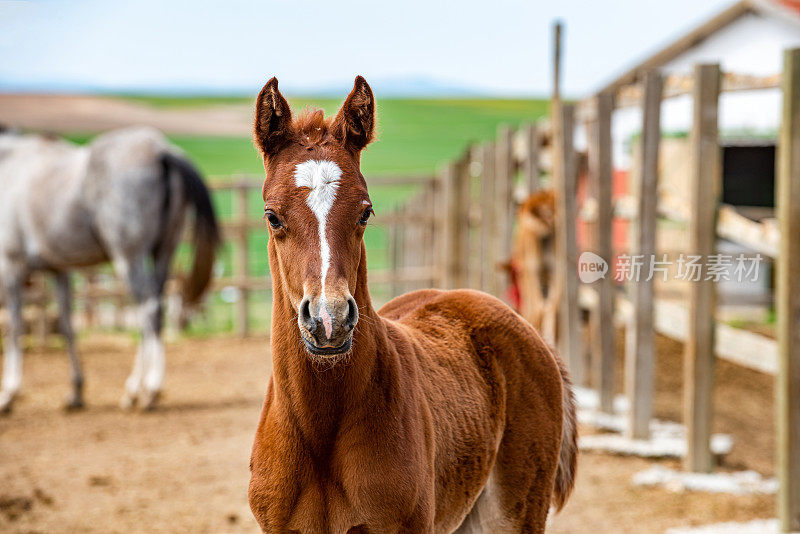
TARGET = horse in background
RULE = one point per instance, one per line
(123, 198)
(536, 282)
(444, 411)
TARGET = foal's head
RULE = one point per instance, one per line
(316, 207)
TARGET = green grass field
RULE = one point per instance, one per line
(415, 136)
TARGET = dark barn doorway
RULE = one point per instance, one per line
(748, 182)
(748, 174)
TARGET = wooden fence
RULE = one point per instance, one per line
(695, 324)
(451, 229)
(454, 230)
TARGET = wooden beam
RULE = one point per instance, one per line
(504, 212)
(394, 251)
(692, 38)
(464, 205)
(557, 31)
(489, 278)
(787, 294)
(569, 335)
(641, 347)
(705, 188)
(748, 349)
(429, 230)
(217, 182)
(530, 164)
(241, 313)
(602, 177)
(677, 85)
(450, 229)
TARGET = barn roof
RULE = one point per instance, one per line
(788, 10)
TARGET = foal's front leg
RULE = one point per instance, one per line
(12, 361)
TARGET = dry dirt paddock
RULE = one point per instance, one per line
(184, 467)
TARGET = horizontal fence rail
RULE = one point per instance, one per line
(411, 245)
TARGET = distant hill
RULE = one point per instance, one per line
(397, 86)
(414, 86)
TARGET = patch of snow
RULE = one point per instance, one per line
(667, 438)
(589, 399)
(738, 483)
(660, 445)
(759, 526)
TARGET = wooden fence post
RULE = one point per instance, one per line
(452, 238)
(531, 167)
(474, 217)
(557, 30)
(412, 239)
(120, 303)
(566, 182)
(394, 252)
(241, 317)
(601, 173)
(641, 344)
(431, 210)
(503, 207)
(705, 188)
(464, 222)
(787, 294)
(440, 227)
(489, 278)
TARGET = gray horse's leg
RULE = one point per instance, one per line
(144, 384)
(64, 297)
(133, 384)
(12, 361)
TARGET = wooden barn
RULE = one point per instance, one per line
(747, 38)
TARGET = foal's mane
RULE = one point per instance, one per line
(311, 126)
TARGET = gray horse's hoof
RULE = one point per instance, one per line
(73, 403)
(6, 402)
(128, 401)
(149, 400)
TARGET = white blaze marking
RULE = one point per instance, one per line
(322, 179)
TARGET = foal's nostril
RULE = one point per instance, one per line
(305, 312)
(352, 313)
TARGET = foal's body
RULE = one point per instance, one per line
(461, 399)
(443, 412)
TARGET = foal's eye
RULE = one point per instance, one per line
(273, 220)
(365, 216)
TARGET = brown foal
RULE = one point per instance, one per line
(442, 412)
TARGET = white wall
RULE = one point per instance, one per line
(753, 45)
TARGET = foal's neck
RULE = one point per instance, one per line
(321, 392)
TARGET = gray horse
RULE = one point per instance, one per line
(123, 198)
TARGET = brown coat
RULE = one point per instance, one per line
(443, 410)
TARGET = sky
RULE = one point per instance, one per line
(488, 47)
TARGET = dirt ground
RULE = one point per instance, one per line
(184, 467)
(83, 113)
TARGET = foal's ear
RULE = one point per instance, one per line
(354, 125)
(273, 119)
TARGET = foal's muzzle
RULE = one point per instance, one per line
(326, 326)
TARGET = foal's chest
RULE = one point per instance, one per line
(347, 500)
(323, 508)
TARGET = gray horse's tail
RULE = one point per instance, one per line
(206, 229)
